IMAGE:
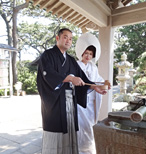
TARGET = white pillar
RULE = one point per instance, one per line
(105, 66)
(11, 74)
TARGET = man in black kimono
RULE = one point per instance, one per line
(61, 85)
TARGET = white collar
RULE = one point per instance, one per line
(64, 54)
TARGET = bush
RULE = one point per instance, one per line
(141, 85)
(27, 75)
(1, 92)
(141, 76)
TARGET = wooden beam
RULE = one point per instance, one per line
(61, 13)
(89, 10)
(52, 6)
(81, 25)
(76, 18)
(71, 14)
(36, 2)
(75, 15)
(45, 4)
(67, 14)
(129, 9)
(133, 14)
(84, 23)
(92, 26)
(80, 21)
(84, 30)
(56, 10)
(126, 2)
(103, 6)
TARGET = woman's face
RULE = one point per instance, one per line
(87, 56)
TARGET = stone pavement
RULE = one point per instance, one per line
(20, 125)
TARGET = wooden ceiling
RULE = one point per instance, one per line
(86, 14)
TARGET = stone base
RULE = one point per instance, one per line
(111, 140)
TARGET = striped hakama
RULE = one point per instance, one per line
(59, 143)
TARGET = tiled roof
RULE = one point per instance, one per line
(6, 46)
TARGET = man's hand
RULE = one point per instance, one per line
(76, 81)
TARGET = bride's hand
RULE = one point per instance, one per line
(100, 90)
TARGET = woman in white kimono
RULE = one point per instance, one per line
(88, 51)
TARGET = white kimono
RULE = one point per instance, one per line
(88, 117)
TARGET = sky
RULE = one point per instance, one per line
(2, 32)
(24, 55)
(3, 40)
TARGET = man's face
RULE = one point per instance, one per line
(64, 42)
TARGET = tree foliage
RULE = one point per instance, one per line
(37, 36)
(27, 76)
(41, 36)
(141, 75)
(131, 40)
(9, 10)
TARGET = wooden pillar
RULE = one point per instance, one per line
(105, 66)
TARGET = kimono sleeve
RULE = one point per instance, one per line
(81, 91)
(48, 70)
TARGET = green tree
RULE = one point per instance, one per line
(37, 36)
(9, 10)
(131, 40)
(141, 75)
(27, 76)
(42, 36)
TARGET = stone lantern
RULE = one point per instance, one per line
(123, 73)
(18, 87)
(132, 71)
(6, 75)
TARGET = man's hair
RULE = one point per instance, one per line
(63, 29)
(92, 48)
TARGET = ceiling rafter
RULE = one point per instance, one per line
(57, 9)
(37, 2)
(70, 11)
(88, 9)
(125, 2)
(70, 15)
(62, 12)
(133, 14)
(84, 23)
(51, 6)
(80, 21)
(76, 18)
(94, 13)
(44, 4)
(74, 15)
